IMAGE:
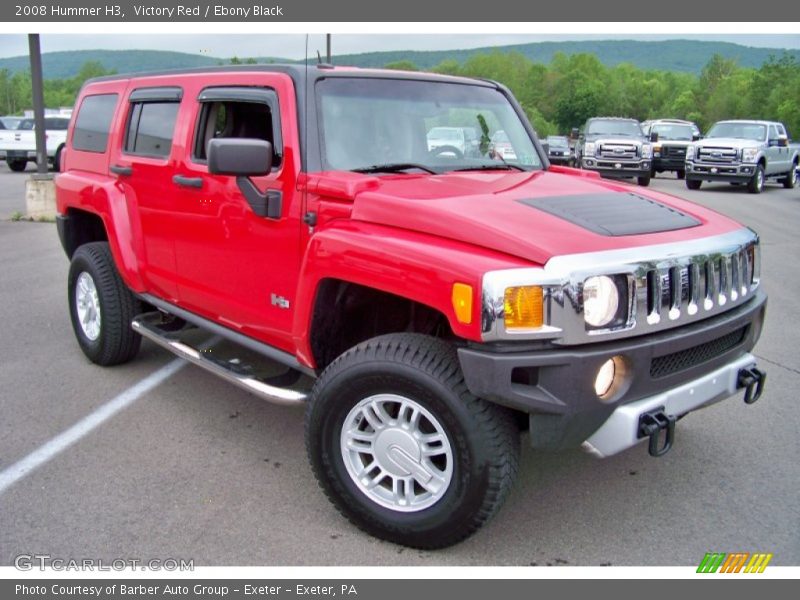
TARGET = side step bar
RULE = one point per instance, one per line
(148, 325)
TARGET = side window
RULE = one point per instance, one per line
(773, 132)
(94, 123)
(150, 128)
(238, 113)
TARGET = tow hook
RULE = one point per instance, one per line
(752, 379)
(651, 424)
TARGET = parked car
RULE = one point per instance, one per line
(18, 146)
(745, 153)
(670, 138)
(616, 148)
(559, 151)
(454, 141)
(426, 309)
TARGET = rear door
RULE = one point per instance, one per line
(143, 160)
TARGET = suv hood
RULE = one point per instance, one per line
(533, 215)
(615, 139)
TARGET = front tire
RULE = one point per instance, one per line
(643, 181)
(681, 174)
(791, 178)
(756, 183)
(101, 307)
(693, 184)
(402, 449)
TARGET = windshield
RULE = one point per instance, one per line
(437, 126)
(674, 131)
(557, 141)
(614, 127)
(745, 131)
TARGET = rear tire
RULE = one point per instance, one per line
(693, 184)
(371, 392)
(17, 165)
(101, 307)
(756, 183)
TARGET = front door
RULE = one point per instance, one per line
(235, 266)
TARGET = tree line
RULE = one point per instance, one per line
(563, 94)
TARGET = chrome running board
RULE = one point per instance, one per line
(149, 325)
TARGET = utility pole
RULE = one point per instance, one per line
(38, 102)
(328, 43)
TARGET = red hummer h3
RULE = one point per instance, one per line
(427, 302)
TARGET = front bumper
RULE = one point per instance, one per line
(621, 429)
(666, 163)
(555, 385)
(617, 169)
(741, 173)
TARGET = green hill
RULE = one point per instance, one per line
(673, 55)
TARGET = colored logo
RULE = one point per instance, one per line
(734, 562)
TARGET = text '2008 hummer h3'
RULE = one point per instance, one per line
(436, 303)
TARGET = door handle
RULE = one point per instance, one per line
(194, 182)
(121, 170)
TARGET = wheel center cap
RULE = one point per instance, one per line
(397, 452)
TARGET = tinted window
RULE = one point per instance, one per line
(150, 128)
(94, 123)
(233, 119)
(56, 124)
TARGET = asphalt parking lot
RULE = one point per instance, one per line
(193, 468)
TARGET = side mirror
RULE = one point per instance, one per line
(783, 141)
(696, 136)
(546, 147)
(239, 156)
(653, 136)
(245, 158)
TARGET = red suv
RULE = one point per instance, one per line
(427, 306)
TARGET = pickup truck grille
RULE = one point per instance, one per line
(716, 154)
(673, 151)
(618, 151)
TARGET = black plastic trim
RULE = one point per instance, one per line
(156, 94)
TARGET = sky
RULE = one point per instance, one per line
(292, 46)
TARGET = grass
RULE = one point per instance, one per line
(18, 216)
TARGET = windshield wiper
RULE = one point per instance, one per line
(393, 168)
(504, 166)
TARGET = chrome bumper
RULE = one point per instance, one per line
(621, 430)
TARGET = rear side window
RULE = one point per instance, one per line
(94, 123)
(150, 128)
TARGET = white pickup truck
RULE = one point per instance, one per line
(743, 153)
(18, 146)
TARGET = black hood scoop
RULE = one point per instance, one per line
(614, 214)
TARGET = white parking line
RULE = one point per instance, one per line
(64, 440)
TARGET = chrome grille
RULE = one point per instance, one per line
(717, 154)
(618, 151)
(694, 285)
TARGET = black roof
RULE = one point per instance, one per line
(298, 72)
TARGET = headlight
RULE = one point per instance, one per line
(689, 152)
(647, 151)
(589, 149)
(600, 300)
(749, 154)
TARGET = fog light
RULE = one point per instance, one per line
(605, 378)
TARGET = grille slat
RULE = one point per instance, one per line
(669, 364)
